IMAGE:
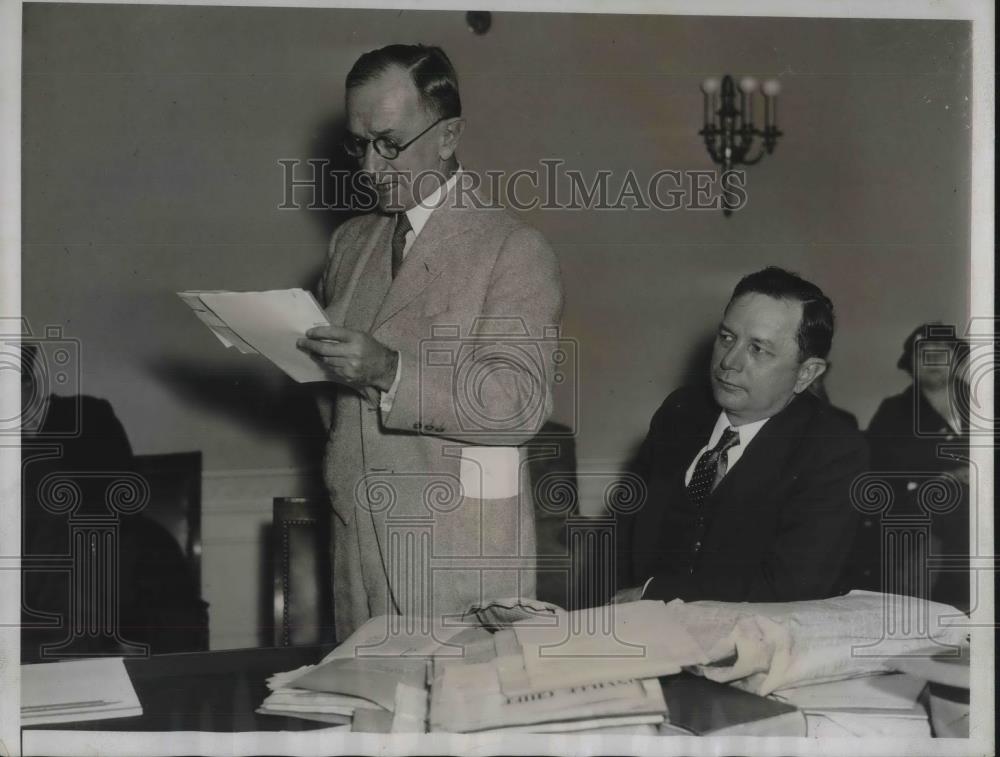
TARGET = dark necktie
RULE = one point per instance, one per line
(711, 467)
(399, 241)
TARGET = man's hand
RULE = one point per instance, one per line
(632, 594)
(351, 357)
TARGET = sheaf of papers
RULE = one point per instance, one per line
(634, 640)
(289, 701)
(216, 325)
(380, 637)
(894, 691)
(762, 647)
(409, 712)
(911, 723)
(627, 723)
(468, 697)
(63, 692)
(373, 678)
(268, 323)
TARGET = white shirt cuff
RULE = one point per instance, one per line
(645, 586)
(385, 403)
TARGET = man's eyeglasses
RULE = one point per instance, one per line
(356, 146)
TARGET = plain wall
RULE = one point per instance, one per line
(151, 143)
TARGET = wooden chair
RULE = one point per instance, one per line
(175, 504)
(175, 500)
(303, 579)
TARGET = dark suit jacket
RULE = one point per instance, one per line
(778, 527)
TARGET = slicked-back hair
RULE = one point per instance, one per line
(429, 67)
(815, 333)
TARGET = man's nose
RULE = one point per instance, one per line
(732, 358)
(372, 162)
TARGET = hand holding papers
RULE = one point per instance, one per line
(268, 323)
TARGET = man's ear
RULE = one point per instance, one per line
(810, 370)
(450, 137)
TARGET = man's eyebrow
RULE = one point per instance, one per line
(376, 132)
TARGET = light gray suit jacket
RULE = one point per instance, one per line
(431, 499)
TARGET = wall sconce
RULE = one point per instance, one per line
(479, 22)
(729, 129)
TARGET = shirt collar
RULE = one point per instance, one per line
(421, 212)
(746, 431)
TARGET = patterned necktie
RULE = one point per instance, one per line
(711, 467)
(399, 241)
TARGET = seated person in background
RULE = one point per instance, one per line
(922, 430)
(81, 440)
(748, 487)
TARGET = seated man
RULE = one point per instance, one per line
(748, 488)
(79, 443)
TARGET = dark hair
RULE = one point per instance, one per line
(933, 332)
(815, 334)
(429, 67)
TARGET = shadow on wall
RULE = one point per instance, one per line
(694, 373)
(338, 195)
(260, 401)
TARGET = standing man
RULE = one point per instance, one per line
(438, 360)
(749, 487)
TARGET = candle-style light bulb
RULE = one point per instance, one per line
(709, 87)
(748, 85)
(771, 88)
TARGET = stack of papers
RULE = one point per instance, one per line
(587, 670)
(268, 323)
(551, 671)
(875, 705)
(63, 692)
(288, 700)
(376, 680)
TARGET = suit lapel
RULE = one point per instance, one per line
(360, 282)
(762, 457)
(425, 261)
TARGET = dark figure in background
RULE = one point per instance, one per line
(81, 439)
(748, 486)
(923, 432)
